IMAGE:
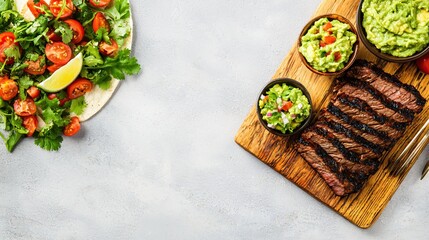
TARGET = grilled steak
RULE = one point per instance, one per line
(388, 85)
(367, 114)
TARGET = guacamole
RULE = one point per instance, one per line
(397, 27)
(327, 45)
(284, 107)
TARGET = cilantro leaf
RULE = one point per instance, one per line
(13, 139)
(50, 140)
(24, 83)
(52, 112)
(120, 10)
(64, 30)
(78, 105)
(120, 65)
(6, 5)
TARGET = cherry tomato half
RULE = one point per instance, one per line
(37, 67)
(56, 5)
(36, 8)
(108, 50)
(100, 21)
(7, 40)
(58, 52)
(78, 88)
(78, 31)
(73, 127)
(423, 63)
(33, 92)
(99, 3)
(25, 107)
(8, 88)
(30, 123)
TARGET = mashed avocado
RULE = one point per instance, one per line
(397, 27)
(327, 45)
(284, 108)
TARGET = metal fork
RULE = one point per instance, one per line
(400, 164)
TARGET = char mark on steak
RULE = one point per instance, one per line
(364, 107)
(354, 143)
(373, 94)
(382, 105)
(326, 168)
(368, 137)
(348, 153)
(388, 85)
(347, 162)
(354, 112)
(357, 124)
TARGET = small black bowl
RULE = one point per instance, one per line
(290, 82)
(362, 35)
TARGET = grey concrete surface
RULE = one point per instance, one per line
(160, 162)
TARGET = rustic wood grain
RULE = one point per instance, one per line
(362, 208)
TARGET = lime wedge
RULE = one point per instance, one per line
(65, 75)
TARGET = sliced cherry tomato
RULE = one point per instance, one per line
(337, 56)
(58, 52)
(8, 88)
(56, 5)
(30, 123)
(54, 67)
(33, 92)
(100, 21)
(423, 63)
(73, 127)
(108, 50)
(322, 44)
(36, 8)
(37, 67)
(78, 31)
(329, 39)
(287, 105)
(53, 36)
(327, 26)
(25, 107)
(7, 40)
(78, 88)
(99, 3)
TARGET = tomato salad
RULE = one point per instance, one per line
(31, 51)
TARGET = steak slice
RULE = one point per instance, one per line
(347, 161)
(343, 124)
(351, 142)
(339, 184)
(380, 105)
(388, 85)
(357, 113)
(357, 124)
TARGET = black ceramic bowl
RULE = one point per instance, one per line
(362, 35)
(355, 45)
(289, 82)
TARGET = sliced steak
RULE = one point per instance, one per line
(388, 85)
(351, 142)
(369, 137)
(354, 110)
(380, 105)
(339, 184)
(347, 161)
(368, 112)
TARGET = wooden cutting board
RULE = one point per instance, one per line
(364, 207)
